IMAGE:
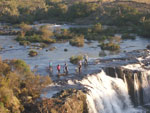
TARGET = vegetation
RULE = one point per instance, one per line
(15, 11)
(29, 34)
(110, 43)
(120, 14)
(19, 87)
(63, 34)
(77, 41)
(97, 28)
(128, 14)
(128, 36)
(144, 29)
(76, 59)
(25, 43)
(110, 46)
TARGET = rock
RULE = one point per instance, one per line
(33, 53)
(46, 50)
(1, 48)
(65, 50)
(10, 46)
(67, 101)
(148, 47)
(43, 45)
(40, 48)
(52, 48)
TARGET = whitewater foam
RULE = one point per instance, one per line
(107, 94)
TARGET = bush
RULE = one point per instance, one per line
(76, 59)
(45, 32)
(33, 53)
(36, 38)
(77, 41)
(128, 36)
(19, 87)
(110, 46)
(28, 34)
(24, 29)
(64, 34)
(24, 43)
(20, 65)
(97, 28)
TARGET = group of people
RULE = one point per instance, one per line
(65, 67)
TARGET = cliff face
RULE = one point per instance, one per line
(129, 75)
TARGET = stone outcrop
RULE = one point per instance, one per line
(67, 101)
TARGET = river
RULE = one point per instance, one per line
(99, 82)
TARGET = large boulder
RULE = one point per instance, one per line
(67, 101)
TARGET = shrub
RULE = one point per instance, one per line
(24, 43)
(97, 28)
(64, 34)
(128, 36)
(36, 38)
(77, 41)
(45, 32)
(110, 46)
(24, 29)
(76, 59)
(33, 53)
(20, 66)
(43, 35)
(19, 87)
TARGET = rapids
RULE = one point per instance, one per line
(107, 95)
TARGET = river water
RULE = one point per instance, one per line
(12, 50)
(106, 94)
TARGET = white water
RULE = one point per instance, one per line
(145, 82)
(136, 89)
(116, 74)
(125, 81)
(146, 87)
(107, 95)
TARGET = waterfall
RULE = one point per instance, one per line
(143, 81)
(107, 94)
(125, 81)
(136, 89)
(146, 87)
(116, 74)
